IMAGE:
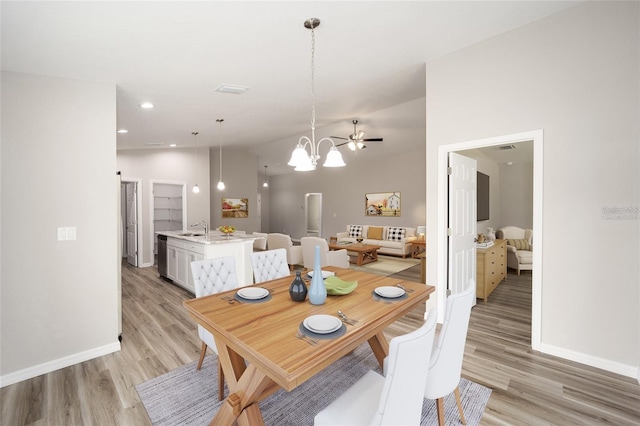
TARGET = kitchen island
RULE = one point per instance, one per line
(183, 247)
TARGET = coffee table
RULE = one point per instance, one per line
(366, 253)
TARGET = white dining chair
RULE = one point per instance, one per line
(394, 399)
(339, 258)
(212, 276)
(446, 358)
(269, 265)
(294, 253)
(260, 243)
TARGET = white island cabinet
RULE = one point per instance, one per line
(183, 248)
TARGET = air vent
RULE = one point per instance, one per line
(507, 147)
(231, 88)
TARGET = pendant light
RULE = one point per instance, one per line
(195, 189)
(220, 182)
(265, 184)
(300, 158)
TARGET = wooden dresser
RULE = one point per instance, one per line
(491, 268)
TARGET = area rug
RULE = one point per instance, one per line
(186, 396)
(387, 265)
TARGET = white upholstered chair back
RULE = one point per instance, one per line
(269, 265)
(394, 399)
(448, 350)
(338, 258)
(212, 276)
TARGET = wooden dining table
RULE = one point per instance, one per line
(257, 342)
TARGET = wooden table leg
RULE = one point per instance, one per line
(242, 405)
(380, 347)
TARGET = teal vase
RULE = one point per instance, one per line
(317, 290)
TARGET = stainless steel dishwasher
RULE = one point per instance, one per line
(162, 255)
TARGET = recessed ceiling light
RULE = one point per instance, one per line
(173, 145)
(123, 131)
(146, 105)
(231, 88)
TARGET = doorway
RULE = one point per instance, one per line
(130, 212)
(441, 237)
(168, 210)
(313, 217)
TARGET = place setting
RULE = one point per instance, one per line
(389, 294)
(250, 295)
(321, 327)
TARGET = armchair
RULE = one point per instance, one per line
(294, 253)
(338, 258)
(519, 247)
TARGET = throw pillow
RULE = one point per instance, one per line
(395, 234)
(355, 231)
(375, 233)
(519, 244)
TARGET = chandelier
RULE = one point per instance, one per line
(301, 159)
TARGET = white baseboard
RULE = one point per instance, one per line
(57, 364)
(601, 363)
(146, 265)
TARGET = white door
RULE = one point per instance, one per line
(314, 214)
(132, 223)
(462, 222)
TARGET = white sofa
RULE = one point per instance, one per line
(393, 240)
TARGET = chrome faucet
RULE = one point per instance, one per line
(204, 224)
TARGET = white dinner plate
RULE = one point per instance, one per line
(325, 274)
(389, 291)
(253, 293)
(322, 324)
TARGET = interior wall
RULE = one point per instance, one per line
(490, 168)
(516, 195)
(167, 165)
(574, 75)
(59, 298)
(241, 181)
(343, 194)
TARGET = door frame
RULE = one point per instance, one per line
(537, 137)
(138, 183)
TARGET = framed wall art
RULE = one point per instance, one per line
(382, 204)
(237, 208)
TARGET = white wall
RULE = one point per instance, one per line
(574, 75)
(59, 298)
(490, 168)
(168, 165)
(516, 195)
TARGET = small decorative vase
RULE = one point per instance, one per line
(317, 290)
(298, 289)
(491, 235)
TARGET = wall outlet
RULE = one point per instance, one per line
(67, 233)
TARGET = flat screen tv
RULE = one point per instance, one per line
(482, 194)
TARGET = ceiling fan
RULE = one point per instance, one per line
(356, 140)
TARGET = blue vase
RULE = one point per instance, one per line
(317, 290)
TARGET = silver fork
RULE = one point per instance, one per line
(408, 290)
(300, 335)
(347, 319)
(229, 299)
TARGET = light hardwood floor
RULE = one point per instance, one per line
(529, 388)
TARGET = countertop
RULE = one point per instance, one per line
(213, 237)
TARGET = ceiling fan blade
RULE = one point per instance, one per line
(373, 140)
(340, 144)
(338, 137)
